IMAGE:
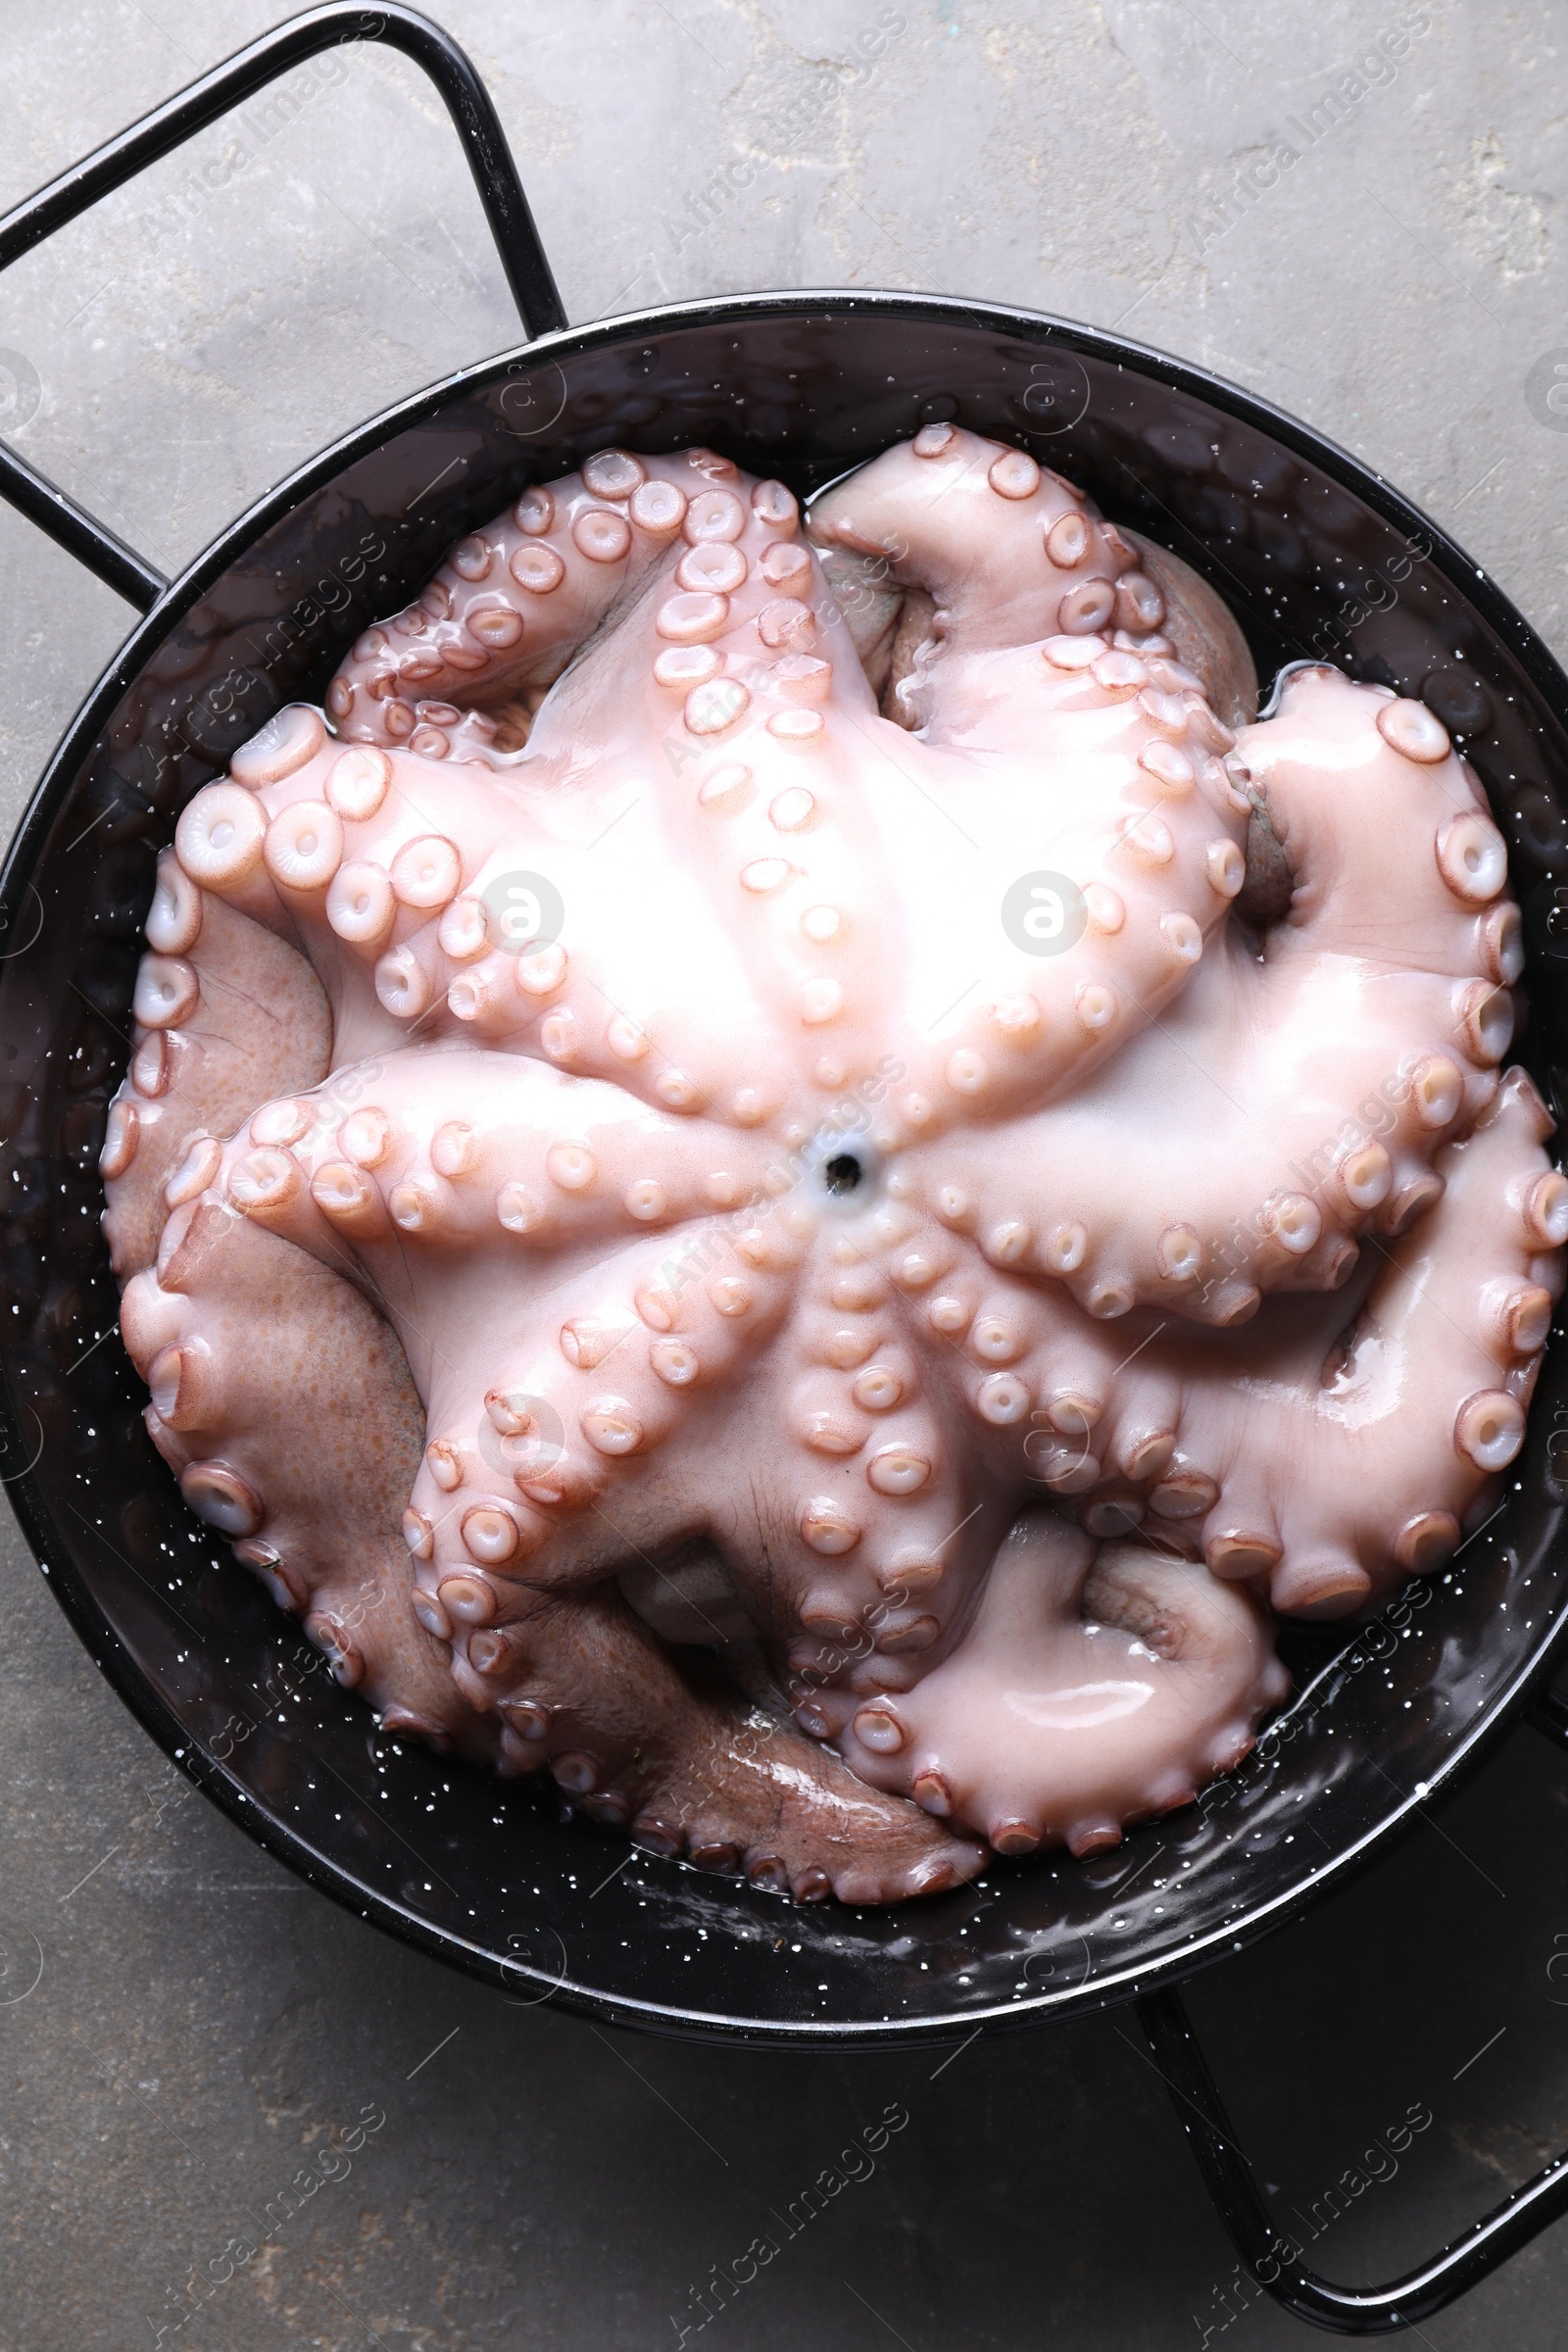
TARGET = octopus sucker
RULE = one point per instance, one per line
(834, 1421)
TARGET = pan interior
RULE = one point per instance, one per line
(1317, 562)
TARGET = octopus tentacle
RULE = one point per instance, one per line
(1055, 739)
(740, 676)
(224, 1010)
(1297, 1099)
(1344, 1446)
(1202, 631)
(583, 1689)
(320, 1528)
(975, 552)
(566, 1680)
(365, 859)
(1370, 1474)
(512, 602)
(1329, 1508)
(1078, 1703)
(459, 1146)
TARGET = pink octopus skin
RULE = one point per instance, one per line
(499, 1294)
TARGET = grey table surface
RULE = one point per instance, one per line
(202, 2022)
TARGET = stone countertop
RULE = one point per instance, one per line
(1385, 265)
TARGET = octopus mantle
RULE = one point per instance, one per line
(777, 1174)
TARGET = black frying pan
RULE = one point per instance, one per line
(1317, 557)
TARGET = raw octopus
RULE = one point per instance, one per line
(798, 1177)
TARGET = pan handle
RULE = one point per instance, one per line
(1273, 2257)
(484, 143)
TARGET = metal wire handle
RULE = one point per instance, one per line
(1271, 2256)
(484, 143)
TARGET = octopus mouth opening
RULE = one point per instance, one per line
(593, 1292)
(844, 1170)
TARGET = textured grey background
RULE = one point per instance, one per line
(201, 2022)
